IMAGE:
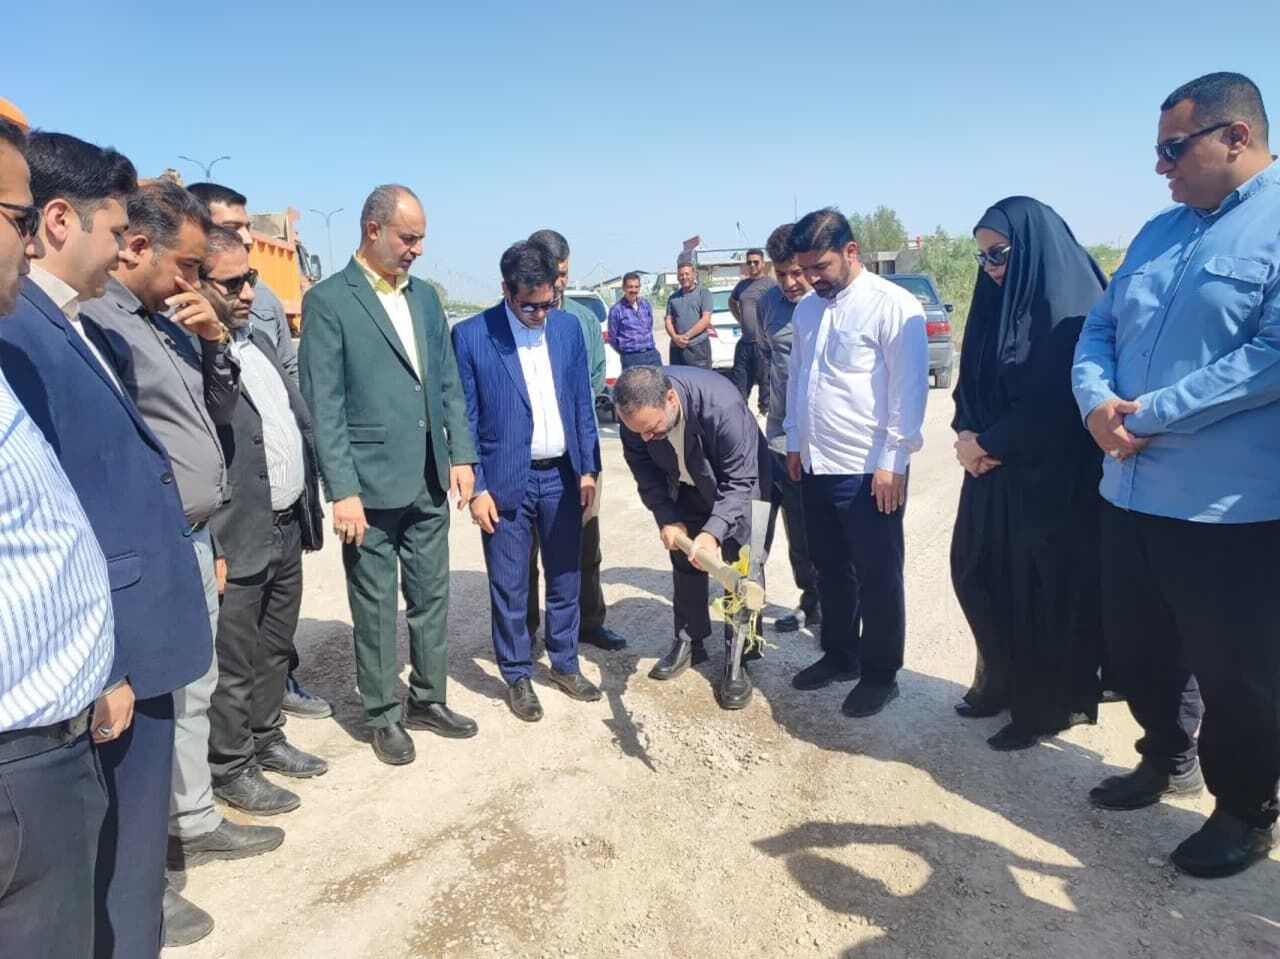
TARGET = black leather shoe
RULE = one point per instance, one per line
(231, 840)
(789, 623)
(682, 654)
(829, 669)
(1010, 738)
(1224, 846)
(734, 692)
(602, 638)
(978, 710)
(524, 701)
(288, 760)
(439, 719)
(254, 793)
(1145, 786)
(393, 745)
(575, 685)
(869, 698)
(184, 921)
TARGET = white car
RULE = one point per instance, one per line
(612, 362)
(725, 331)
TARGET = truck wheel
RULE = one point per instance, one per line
(942, 378)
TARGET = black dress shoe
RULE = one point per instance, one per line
(254, 793)
(288, 760)
(868, 698)
(1145, 786)
(1011, 738)
(734, 692)
(682, 654)
(439, 719)
(602, 638)
(231, 840)
(524, 701)
(1224, 846)
(575, 685)
(184, 921)
(789, 623)
(978, 710)
(393, 745)
(829, 669)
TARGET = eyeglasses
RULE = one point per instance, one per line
(26, 219)
(997, 256)
(1171, 150)
(235, 284)
(529, 309)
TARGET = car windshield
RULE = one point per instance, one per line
(592, 303)
(917, 286)
(721, 299)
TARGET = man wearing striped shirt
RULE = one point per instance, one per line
(56, 638)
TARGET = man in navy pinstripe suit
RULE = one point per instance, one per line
(523, 368)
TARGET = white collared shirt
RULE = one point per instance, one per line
(859, 379)
(535, 363)
(66, 299)
(396, 302)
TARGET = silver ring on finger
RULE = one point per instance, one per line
(106, 732)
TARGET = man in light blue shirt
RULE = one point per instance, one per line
(1177, 375)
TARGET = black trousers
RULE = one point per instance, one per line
(695, 354)
(52, 805)
(789, 501)
(858, 553)
(256, 624)
(129, 886)
(591, 593)
(1187, 621)
(748, 371)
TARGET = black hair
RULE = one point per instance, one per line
(211, 193)
(777, 244)
(628, 277)
(554, 242)
(822, 231)
(529, 265)
(12, 134)
(221, 240)
(756, 251)
(159, 209)
(86, 176)
(1223, 98)
(641, 387)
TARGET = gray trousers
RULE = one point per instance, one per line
(191, 811)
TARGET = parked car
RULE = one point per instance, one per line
(612, 362)
(725, 331)
(937, 321)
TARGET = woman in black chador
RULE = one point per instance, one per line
(1024, 557)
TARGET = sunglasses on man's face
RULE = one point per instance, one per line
(531, 309)
(26, 219)
(755, 262)
(235, 284)
(1171, 150)
(996, 256)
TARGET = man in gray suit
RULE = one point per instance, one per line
(696, 453)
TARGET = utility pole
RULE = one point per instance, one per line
(328, 230)
(207, 167)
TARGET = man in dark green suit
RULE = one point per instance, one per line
(378, 372)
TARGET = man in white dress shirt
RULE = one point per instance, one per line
(859, 379)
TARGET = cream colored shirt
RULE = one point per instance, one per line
(676, 438)
(67, 300)
(396, 304)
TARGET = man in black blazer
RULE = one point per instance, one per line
(272, 517)
(696, 453)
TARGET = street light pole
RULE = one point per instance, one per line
(207, 167)
(329, 231)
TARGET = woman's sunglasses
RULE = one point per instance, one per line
(235, 284)
(997, 256)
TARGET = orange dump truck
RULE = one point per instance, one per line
(282, 261)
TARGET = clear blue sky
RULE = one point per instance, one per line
(629, 128)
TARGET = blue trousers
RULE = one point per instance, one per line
(551, 504)
(858, 554)
(138, 768)
(649, 357)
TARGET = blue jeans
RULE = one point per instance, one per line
(649, 357)
(551, 502)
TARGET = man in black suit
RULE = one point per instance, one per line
(274, 515)
(696, 453)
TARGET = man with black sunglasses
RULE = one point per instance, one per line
(523, 367)
(274, 516)
(1177, 374)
